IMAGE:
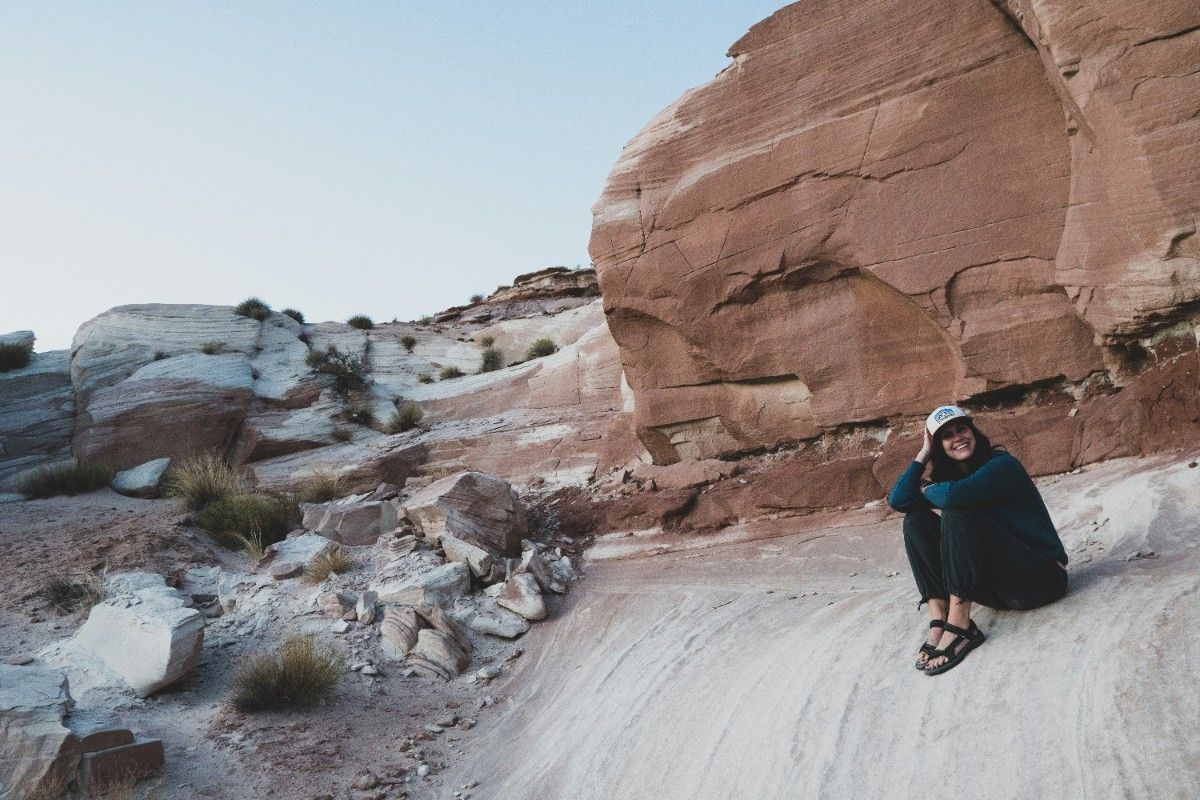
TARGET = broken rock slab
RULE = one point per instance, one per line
(437, 655)
(144, 480)
(351, 520)
(488, 618)
(133, 760)
(398, 631)
(150, 637)
(522, 595)
(684, 474)
(299, 549)
(38, 753)
(440, 586)
(476, 558)
(472, 506)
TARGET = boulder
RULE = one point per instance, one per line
(475, 507)
(300, 549)
(37, 412)
(38, 753)
(533, 563)
(143, 480)
(810, 240)
(335, 604)
(366, 607)
(150, 638)
(440, 586)
(479, 560)
(522, 595)
(492, 620)
(437, 655)
(398, 631)
(350, 520)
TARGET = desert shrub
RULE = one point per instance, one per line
(487, 341)
(212, 348)
(425, 320)
(476, 298)
(449, 373)
(349, 372)
(359, 409)
(542, 347)
(409, 342)
(361, 321)
(493, 360)
(201, 480)
(253, 308)
(65, 479)
(321, 486)
(342, 435)
(298, 675)
(294, 314)
(159, 355)
(67, 595)
(248, 521)
(425, 379)
(331, 562)
(405, 417)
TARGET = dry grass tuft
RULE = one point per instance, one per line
(405, 417)
(66, 594)
(487, 341)
(248, 522)
(449, 373)
(67, 479)
(294, 314)
(342, 434)
(409, 342)
(321, 486)
(203, 479)
(542, 347)
(331, 562)
(299, 675)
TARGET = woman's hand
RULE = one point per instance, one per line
(926, 447)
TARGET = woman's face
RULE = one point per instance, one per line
(957, 440)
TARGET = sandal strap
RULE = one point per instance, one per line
(969, 633)
(928, 649)
(937, 623)
(948, 650)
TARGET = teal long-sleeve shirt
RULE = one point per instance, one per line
(1000, 486)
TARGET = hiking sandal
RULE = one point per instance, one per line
(973, 638)
(927, 649)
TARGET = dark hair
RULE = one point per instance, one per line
(946, 468)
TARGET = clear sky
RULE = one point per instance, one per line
(387, 158)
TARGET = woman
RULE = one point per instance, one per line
(993, 544)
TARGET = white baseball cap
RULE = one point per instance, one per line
(941, 415)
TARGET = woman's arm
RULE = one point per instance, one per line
(906, 494)
(1000, 479)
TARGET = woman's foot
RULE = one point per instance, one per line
(953, 646)
(931, 642)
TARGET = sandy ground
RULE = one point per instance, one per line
(773, 663)
(782, 669)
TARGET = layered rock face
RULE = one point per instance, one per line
(884, 205)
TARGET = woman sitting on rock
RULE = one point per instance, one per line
(993, 544)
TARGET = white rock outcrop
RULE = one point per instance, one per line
(522, 595)
(38, 753)
(440, 586)
(149, 637)
(143, 480)
(37, 411)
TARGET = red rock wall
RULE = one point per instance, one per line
(885, 204)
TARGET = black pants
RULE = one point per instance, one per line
(965, 553)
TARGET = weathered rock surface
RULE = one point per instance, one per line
(351, 520)
(479, 560)
(37, 409)
(522, 595)
(472, 506)
(144, 480)
(868, 214)
(439, 587)
(299, 549)
(148, 637)
(398, 631)
(38, 753)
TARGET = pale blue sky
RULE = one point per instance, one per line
(383, 158)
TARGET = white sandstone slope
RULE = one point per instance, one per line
(782, 668)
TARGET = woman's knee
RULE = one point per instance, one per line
(921, 524)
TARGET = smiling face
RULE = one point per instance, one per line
(957, 439)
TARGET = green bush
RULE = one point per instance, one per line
(253, 308)
(542, 347)
(359, 409)
(349, 372)
(405, 417)
(449, 373)
(201, 480)
(493, 360)
(67, 479)
(299, 675)
(361, 321)
(425, 378)
(476, 298)
(487, 341)
(294, 314)
(259, 517)
(14, 356)
(409, 342)
(425, 320)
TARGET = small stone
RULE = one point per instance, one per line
(282, 570)
(1192, 464)
(19, 660)
(489, 672)
(366, 781)
(435, 729)
(370, 669)
(515, 654)
(448, 721)
(350, 616)
(466, 724)
(423, 770)
(341, 626)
